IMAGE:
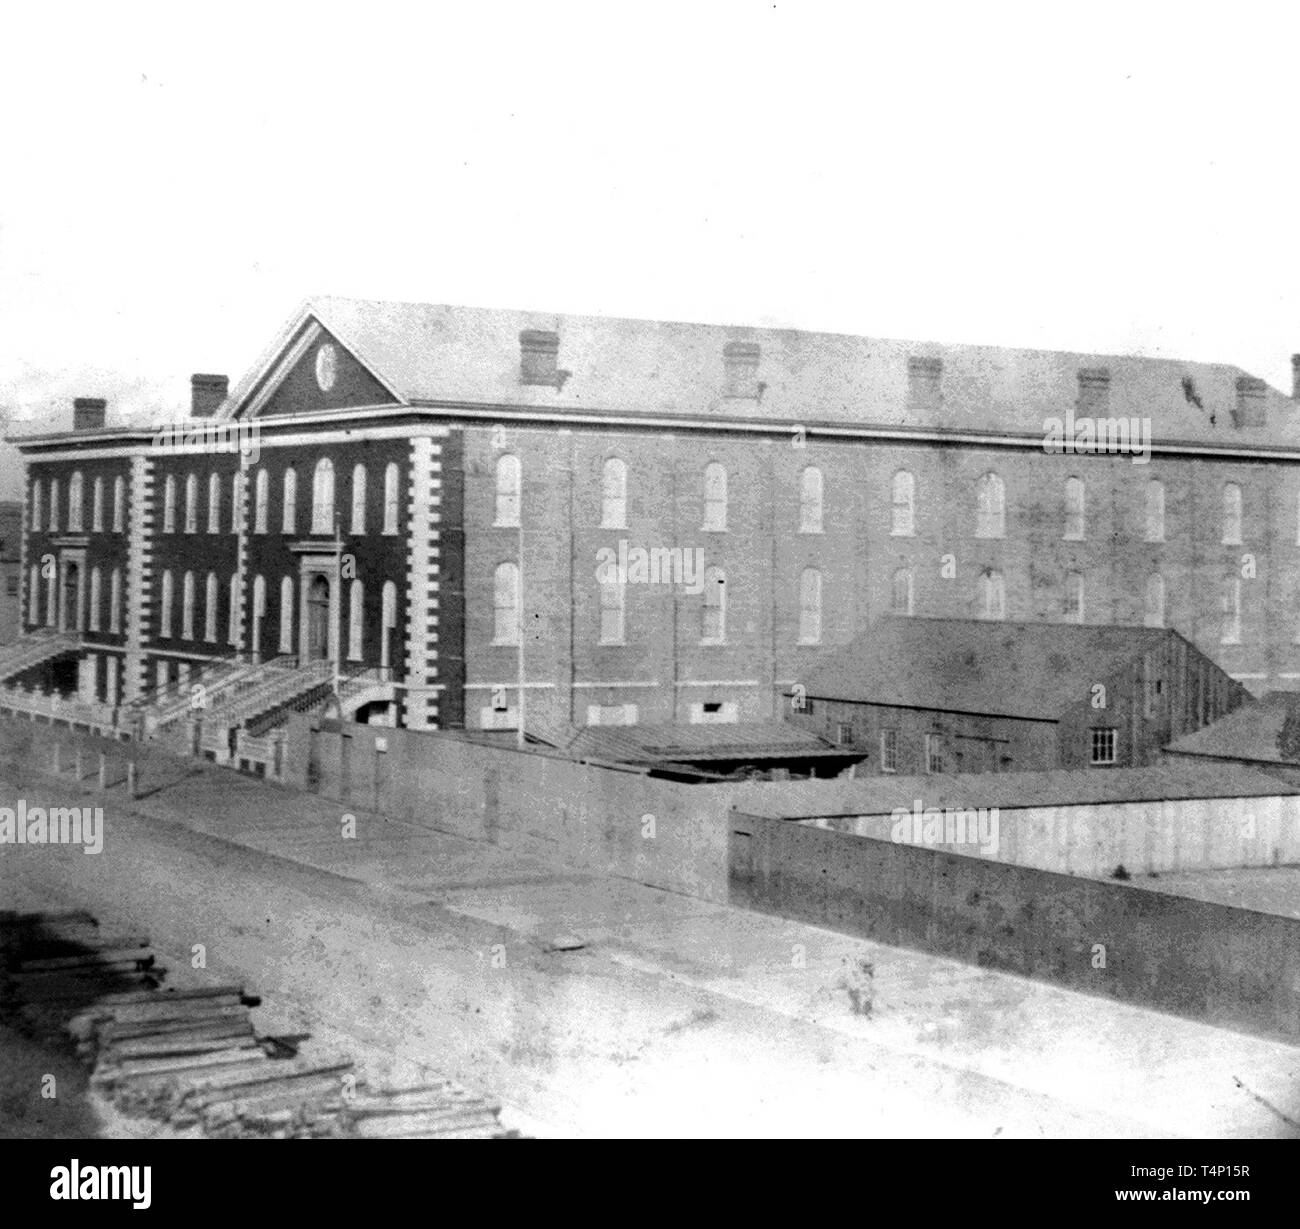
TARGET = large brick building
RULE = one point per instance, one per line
(417, 500)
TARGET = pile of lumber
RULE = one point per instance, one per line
(191, 1057)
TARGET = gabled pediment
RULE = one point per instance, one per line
(310, 370)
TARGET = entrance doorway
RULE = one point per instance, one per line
(318, 619)
(71, 582)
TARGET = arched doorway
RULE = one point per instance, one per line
(71, 583)
(318, 619)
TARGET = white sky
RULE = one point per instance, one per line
(1113, 178)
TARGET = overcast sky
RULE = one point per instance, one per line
(1098, 178)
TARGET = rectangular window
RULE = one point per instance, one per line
(888, 750)
(933, 753)
(1103, 745)
(844, 734)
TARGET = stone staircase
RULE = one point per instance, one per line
(34, 649)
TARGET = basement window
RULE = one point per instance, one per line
(1103, 745)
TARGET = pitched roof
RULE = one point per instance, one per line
(661, 744)
(977, 666)
(430, 352)
(881, 795)
(1248, 733)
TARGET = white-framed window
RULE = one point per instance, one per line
(187, 607)
(810, 606)
(715, 498)
(115, 600)
(613, 601)
(1102, 741)
(36, 505)
(613, 494)
(286, 614)
(191, 503)
(75, 484)
(1075, 510)
(96, 598)
(169, 504)
(810, 500)
(1154, 613)
(261, 498)
(1155, 511)
(358, 499)
(1231, 514)
(232, 627)
(993, 596)
(53, 524)
(1230, 602)
(1072, 606)
(238, 494)
(52, 598)
(903, 505)
(356, 620)
(505, 604)
(214, 503)
(713, 621)
(165, 605)
(391, 484)
(901, 596)
(509, 477)
(991, 507)
(210, 608)
(34, 594)
(119, 504)
(389, 604)
(258, 613)
(289, 511)
(97, 505)
(888, 750)
(322, 497)
(934, 761)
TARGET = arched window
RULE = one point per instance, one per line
(97, 505)
(119, 504)
(286, 615)
(713, 621)
(613, 597)
(34, 594)
(36, 505)
(96, 598)
(290, 508)
(358, 499)
(715, 497)
(169, 504)
(191, 503)
(904, 505)
(990, 512)
(115, 600)
(993, 596)
(238, 493)
(390, 497)
(232, 621)
(508, 486)
(259, 611)
(214, 503)
(810, 606)
(356, 626)
(1231, 514)
(505, 604)
(322, 497)
(210, 609)
(165, 605)
(54, 506)
(1155, 511)
(1075, 512)
(1072, 606)
(52, 598)
(390, 626)
(1154, 615)
(74, 502)
(902, 592)
(261, 499)
(613, 490)
(187, 607)
(810, 500)
(1231, 603)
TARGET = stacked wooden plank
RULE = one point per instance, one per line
(192, 1058)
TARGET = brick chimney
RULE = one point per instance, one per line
(1094, 392)
(207, 392)
(88, 413)
(1249, 410)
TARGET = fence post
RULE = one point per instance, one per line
(76, 763)
(103, 771)
(130, 778)
(57, 767)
